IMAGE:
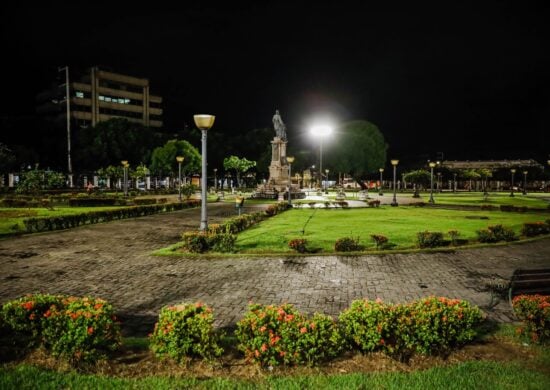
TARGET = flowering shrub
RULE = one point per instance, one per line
(200, 242)
(534, 311)
(185, 330)
(78, 329)
(428, 239)
(379, 240)
(348, 244)
(195, 242)
(298, 244)
(274, 209)
(496, 233)
(425, 326)
(81, 329)
(531, 229)
(272, 335)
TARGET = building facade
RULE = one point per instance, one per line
(99, 95)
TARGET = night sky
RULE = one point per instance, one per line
(469, 79)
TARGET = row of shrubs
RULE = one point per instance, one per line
(85, 329)
(222, 237)
(41, 224)
(429, 239)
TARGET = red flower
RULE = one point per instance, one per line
(32, 316)
(303, 330)
(264, 348)
(28, 305)
(262, 329)
(382, 342)
(90, 330)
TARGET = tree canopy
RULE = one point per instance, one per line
(358, 148)
(163, 160)
(240, 165)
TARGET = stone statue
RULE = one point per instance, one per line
(280, 128)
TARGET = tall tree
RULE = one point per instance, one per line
(357, 148)
(163, 160)
(240, 165)
(419, 178)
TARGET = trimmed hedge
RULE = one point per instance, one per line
(41, 224)
(93, 202)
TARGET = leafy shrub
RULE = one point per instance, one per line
(379, 240)
(195, 242)
(92, 201)
(348, 244)
(77, 329)
(428, 239)
(185, 330)
(534, 311)
(531, 229)
(144, 201)
(454, 234)
(298, 244)
(374, 203)
(222, 242)
(274, 209)
(488, 207)
(272, 335)
(496, 233)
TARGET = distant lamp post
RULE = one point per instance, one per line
(380, 193)
(438, 181)
(454, 182)
(432, 166)
(289, 160)
(179, 159)
(394, 163)
(326, 180)
(512, 171)
(215, 180)
(125, 166)
(524, 182)
(204, 123)
(321, 132)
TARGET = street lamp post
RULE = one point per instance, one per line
(438, 181)
(204, 123)
(179, 159)
(524, 182)
(215, 180)
(394, 163)
(68, 113)
(321, 132)
(512, 172)
(454, 182)
(326, 180)
(380, 193)
(432, 165)
(289, 160)
(125, 175)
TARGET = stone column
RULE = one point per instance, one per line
(108, 182)
(96, 181)
(148, 182)
(10, 180)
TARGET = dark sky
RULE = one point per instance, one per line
(470, 79)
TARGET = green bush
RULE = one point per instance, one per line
(77, 329)
(144, 201)
(454, 234)
(222, 242)
(85, 201)
(348, 244)
(298, 244)
(496, 233)
(534, 311)
(195, 242)
(379, 239)
(272, 335)
(185, 330)
(428, 239)
(531, 229)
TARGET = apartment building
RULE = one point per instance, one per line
(98, 95)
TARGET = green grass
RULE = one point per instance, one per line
(399, 224)
(534, 200)
(469, 375)
(7, 222)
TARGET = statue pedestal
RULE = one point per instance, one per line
(278, 169)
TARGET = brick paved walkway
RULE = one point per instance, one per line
(113, 261)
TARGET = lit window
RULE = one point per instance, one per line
(126, 101)
(80, 94)
(101, 97)
(107, 99)
(121, 101)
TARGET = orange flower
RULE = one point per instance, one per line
(382, 342)
(257, 353)
(90, 330)
(32, 316)
(303, 330)
(282, 353)
(264, 348)
(28, 305)
(98, 306)
(262, 329)
(47, 313)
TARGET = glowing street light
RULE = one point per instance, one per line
(525, 182)
(204, 123)
(289, 160)
(512, 171)
(179, 159)
(321, 132)
(432, 166)
(394, 163)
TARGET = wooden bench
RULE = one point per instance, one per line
(529, 281)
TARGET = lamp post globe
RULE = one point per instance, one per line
(380, 193)
(394, 201)
(512, 173)
(432, 166)
(289, 160)
(204, 122)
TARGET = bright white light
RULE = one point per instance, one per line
(321, 130)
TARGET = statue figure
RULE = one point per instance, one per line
(280, 128)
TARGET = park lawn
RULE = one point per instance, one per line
(535, 200)
(11, 217)
(400, 224)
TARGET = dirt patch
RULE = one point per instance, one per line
(138, 362)
(18, 213)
